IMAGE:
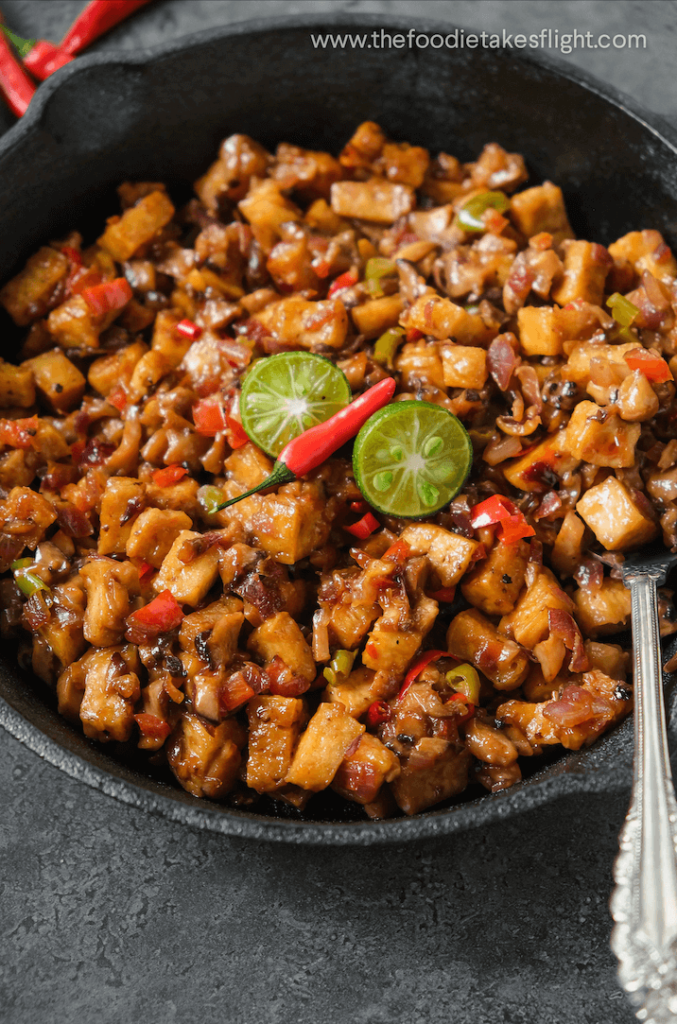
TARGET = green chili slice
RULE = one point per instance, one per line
(376, 268)
(622, 310)
(470, 215)
(387, 345)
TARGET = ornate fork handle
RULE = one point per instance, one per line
(644, 902)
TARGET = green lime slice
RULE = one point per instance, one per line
(411, 458)
(285, 394)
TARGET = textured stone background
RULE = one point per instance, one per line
(111, 918)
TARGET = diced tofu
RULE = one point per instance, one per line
(646, 250)
(377, 315)
(108, 584)
(450, 554)
(111, 691)
(267, 209)
(181, 497)
(417, 788)
(357, 691)
(60, 384)
(152, 533)
(464, 367)
(300, 323)
(586, 265)
(248, 465)
(610, 658)
(419, 361)
(205, 758)
(494, 584)
(568, 546)
(288, 525)
(137, 226)
(111, 371)
(605, 610)
(171, 345)
(601, 437)
(73, 325)
(17, 386)
(637, 401)
(442, 318)
(26, 297)
(363, 772)
(577, 367)
(528, 623)
(541, 209)
(240, 159)
(308, 172)
(376, 200)
(274, 727)
(281, 636)
(614, 517)
(63, 631)
(151, 367)
(323, 746)
(189, 582)
(539, 331)
(392, 643)
(216, 629)
(473, 638)
(24, 518)
(121, 503)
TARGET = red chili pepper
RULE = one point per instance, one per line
(443, 594)
(652, 366)
(234, 692)
(145, 570)
(397, 552)
(364, 527)
(378, 713)
(314, 446)
(418, 667)
(170, 475)
(152, 726)
(346, 280)
(413, 334)
(18, 433)
(45, 58)
(358, 506)
(491, 511)
(189, 329)
(15, 85)
(470, 708)
(514, 528)
(160, 616)
(108, 296)
(118, 397)
(209, 417)
(81, 278)
(74, 255)
(235, 432)
(98, 17)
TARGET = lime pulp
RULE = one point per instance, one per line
(411, 459)
(285, 394)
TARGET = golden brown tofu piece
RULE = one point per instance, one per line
(586, 265)
(288, 525)
(191, 581)
(489, 744)
(212, 632)
(358, 690)
(27, 296)
(205, 759)
(473, 638)
(153, 532)
(646, 250)
(108, 584)
(376, 200)
(248, 465)
(375, 316)
(240, 159)
(568, 546)
(541, 209)
(605, 610)
(417, 360)
(74, 325)
(137, 226)
(531, 472)
(309, 173)
(322, 747)
(111, 691)
(540, 331)
(166, 340)
(578, 368)
(281, 636)
(442, 318)
(614, 517)
(528, 623)
(17, 386)
(417, 788)
(601, 437)
(494, 584)
(115, 370)
(363, 772)
(267, 209)
(464, 367)
(63, 632)
(60, 384)
(299, 323)
(449, 554)
(121, 504)
(637, 401)
(274, 727)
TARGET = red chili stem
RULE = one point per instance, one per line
(15, 85)
(98, 17)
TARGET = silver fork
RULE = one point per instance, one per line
(644, 901)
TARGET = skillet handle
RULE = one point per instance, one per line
(644, 902)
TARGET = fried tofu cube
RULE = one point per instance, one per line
(494, 584)
(121, 503)
(586, 265)
(137, 226)
(362, 773)
(17, 386)
(473, 638)
(419, 361)
(528, 623)
(441, 318)
(266, 209)
(189, 582)
(240, 159)
(605, 610)
(109, 585)
(646, 250)
(26, 297)
(166, 340)
(357, 691)
(112, 371)
(568, 546)
(382, 202)
(152, 533)
(577, 367)
(248, 465)
(73, 325)
(205, 758)
(111, 691)
(416, 788)
(275, 724)
(541, 209)
(60, 384)
(377, 315)
(539, 331)
(449, 554)
(281, 636)
(464, 367)
(614, 517)
(601, 437)
(288, 525)
(323, 746)
(300, 323)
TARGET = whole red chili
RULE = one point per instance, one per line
(15, 85)
(98, 17)
(314, 446)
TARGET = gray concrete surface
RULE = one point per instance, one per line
(109, 918)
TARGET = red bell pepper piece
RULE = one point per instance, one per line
(170, 475)
(235, 432)
(397, 552)
(346, 280)
(358, 506)
(652, 366)
(145, 570)
(470, 708)
(73, 255)
(418, 667)
(209, 417)
(118, 398)
(491, 511)
(446, 594)
(514, 528)
(413, 334)
(188, 329)
(364, 527)
(378, 713)
(234, 692)
(108, 297)
(160, 616)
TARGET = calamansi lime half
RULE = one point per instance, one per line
(411, 458)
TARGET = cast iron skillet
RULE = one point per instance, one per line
(160, 115)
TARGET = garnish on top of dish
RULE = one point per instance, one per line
(472, 418)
